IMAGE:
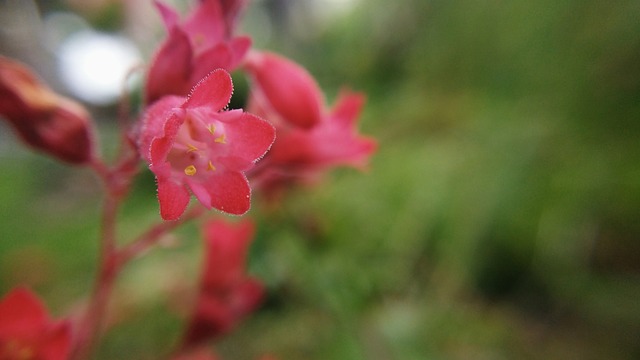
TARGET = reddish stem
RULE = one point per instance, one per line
(92, 322)
(150, 238)
(116, 181)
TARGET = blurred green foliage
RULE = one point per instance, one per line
(498, 220)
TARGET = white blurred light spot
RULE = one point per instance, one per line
(341, 6)
(94, 66)
(333, 8)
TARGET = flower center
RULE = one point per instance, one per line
(194, 147)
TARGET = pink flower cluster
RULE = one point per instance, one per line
(310, 138)
(194, 145)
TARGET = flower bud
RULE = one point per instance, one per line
(286, 88)
(43, 119)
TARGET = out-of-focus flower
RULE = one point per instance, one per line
(27, 331)
(311, 138)
(226, 293)
(204, 42)
(45, 120)
(191, 144)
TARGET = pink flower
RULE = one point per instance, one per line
(334, 141)
(227, 294)
(311, 139)
(191, 144)
(27, 332)
(44, 119)
(204, 42)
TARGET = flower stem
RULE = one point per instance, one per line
(151, 237)
(92, 323)
(116, 181)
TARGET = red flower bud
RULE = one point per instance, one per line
(43, 119)
(286, 88)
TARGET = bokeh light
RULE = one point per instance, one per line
(94, 66)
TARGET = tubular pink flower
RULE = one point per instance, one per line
(27, 332)
(311, 139)
(191, 144)
(226, 294)
(332, 142)
(202, 43)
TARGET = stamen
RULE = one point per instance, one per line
(211, 167)
(191, 148)
(221, 139)
(190, 170)
(211, 128)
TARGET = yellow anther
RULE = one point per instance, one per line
(212, 128)
(191, 148)
(210, 167)
(190, 170)
(222, 139)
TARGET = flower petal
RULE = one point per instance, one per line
(231, 9)
(173, 199)
(348, 107)
(206, 23)
(170, 68)
(216, 57)
(153, 122)
(214, 91)
(200, 191)
(169, 15)
(161, 145)
(239, 47)
(230, 192)
(235, 163)
(248, 136)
